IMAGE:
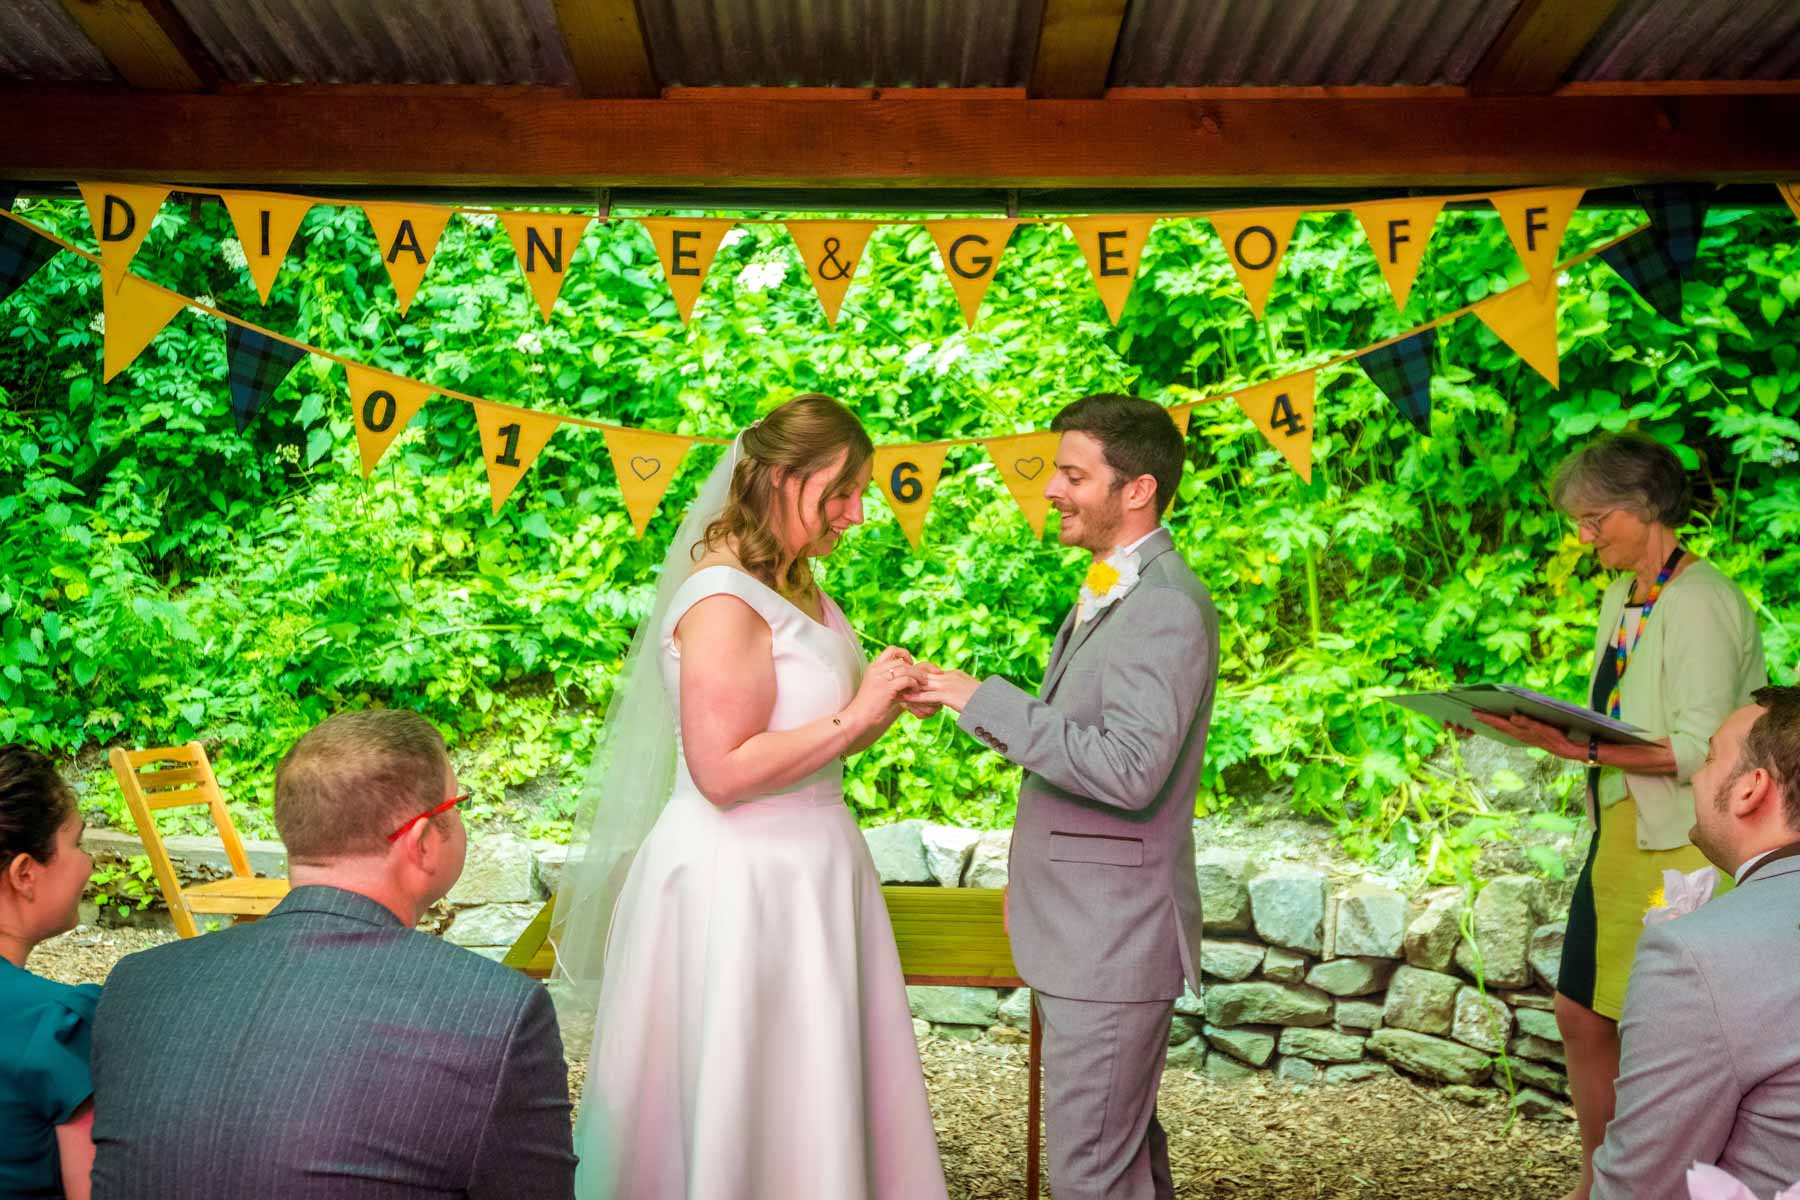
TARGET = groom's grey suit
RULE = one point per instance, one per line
(1105, 913)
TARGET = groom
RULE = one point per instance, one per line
(1107, 921)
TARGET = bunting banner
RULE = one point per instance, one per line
(381, 405)
(1791, 193)
(686, 247)
(8, 195)
(122, 214)
(1113, 247)
(1254, 241)
(1398, 231)
(830, 250)
(134, 314)
(646, 463)
(1026, 462)
(511, 440)
(1283, 410)
(1535, 220)
(1642, 262)
(408, 236)
(1677, 213)
(1182, 414)
(22, 255)
(545, 242)
(1402, 370)
(971, 252)
(1525, 319)
(255, 366)
(266, 225)
(908, 477)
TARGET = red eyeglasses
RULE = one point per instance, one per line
(446, 806)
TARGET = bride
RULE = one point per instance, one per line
(752, 1038)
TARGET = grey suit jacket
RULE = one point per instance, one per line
(326, 1051)
(1103, 902)
(1710, 1063)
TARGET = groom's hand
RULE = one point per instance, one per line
(951, 689)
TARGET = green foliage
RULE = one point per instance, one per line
(165, 577)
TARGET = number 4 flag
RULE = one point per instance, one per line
(1283, 410)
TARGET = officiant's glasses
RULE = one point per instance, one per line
(446, 806)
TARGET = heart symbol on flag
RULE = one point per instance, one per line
(644, 467)
(1029, 468)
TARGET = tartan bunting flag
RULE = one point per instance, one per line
(22, 253)
(1677, 214)
(1642, 261)
(256, 364)
(1402, 370)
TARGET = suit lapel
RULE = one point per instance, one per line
(1070, 642)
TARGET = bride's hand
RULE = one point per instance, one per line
(890, 676)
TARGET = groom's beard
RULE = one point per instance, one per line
(1098, 527)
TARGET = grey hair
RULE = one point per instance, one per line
(1626, 470)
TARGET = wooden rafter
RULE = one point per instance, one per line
(1541, 41)
(147, 43)
(1075, 48)
(606, 45)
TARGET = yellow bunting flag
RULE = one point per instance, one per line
(908, 475)
(1026, 462)
(122, 214)
(1398, 231)
(1791, 193)
(1182, 414)
(266, 224)
(407, 235)
(1283, 410)
(134, 314)
(1254, 242)
(646, 463)
(686, 247)
(545, 242)
(1112, 247)
(1525, 319)
(831, 250)
(381, 405)
(1535, 220)
(971, 251)
(511, 440)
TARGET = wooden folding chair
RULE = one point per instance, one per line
(185, 778)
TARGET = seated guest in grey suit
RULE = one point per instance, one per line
(1710, 1068)
(330, 1050)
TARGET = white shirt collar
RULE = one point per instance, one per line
(1738, 876)
(1132, 548)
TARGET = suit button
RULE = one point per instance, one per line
(1000, 746)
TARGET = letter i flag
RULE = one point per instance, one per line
(266, 225)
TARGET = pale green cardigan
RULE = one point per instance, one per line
(1699, 659)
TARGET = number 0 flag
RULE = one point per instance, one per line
(1283, 410)
(381, 404)
(908, 476)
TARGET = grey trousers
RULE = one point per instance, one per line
(1103, 1062)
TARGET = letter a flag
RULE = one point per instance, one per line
(646, 463)
(1283, 410)
(1535, 219)
(22, 254)
(266, 224)
(381, 405)
(1398, 231)
(1026, 462)
(971, 252)
(545, 242)
(908, 475)
(135, 314)
(122, 214)
(255, 365)
(1112, 246)
(511, 440)
(1791, 193)
(831, 250)
(1642, 261)
(1677, 213)
(1402, 370)
(686, 247)
(1255, 242)
(407, 236)
(1525, 319)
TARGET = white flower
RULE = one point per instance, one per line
(733, 236)
(1707, 1182)
(200, 304)
(481, 220)
(529, 342)
(1117, 575)
(917, 352)
(760, 276)
(98, 324)
(233, 250)
(1681, 894)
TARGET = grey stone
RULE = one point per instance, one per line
(988, 862)
(1254, 1046)
(948, 849)
(1230, 961)
(267, 857)
(1539, 1049)
(1503, 926)
(1189, 1056)
(1430, 1057)
(1222, 1068)
(1357, 1014)
(1288, 906)
(1371, 922)
(1182, 1029)
(959, 1033)
(954, 1005)
(921, 1029)
(547, 862)
(1360, 1072)
(1538, 1075)
(1321, 1044)
(1537, 1024)
(1223, 877)
(1422, 1001)
(1351, 976)
(1015, 1010)
(1547, 951)
(1432, 935)
(491, 953)
(1188, 1004)
(1283, 966)
(899, 852)
(1537, 1000)
(1296, 1070)
(1474, 1097)
(498, 870)
(1259, 1002)
(1483, 1022)
(1534, 1104)
(1007, 1035)
(491, 924)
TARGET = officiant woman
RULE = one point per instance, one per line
(1676, 651)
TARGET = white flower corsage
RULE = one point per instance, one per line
(1105, 583)
(1680, 894)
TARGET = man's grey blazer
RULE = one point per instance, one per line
(326, 1051)
(1710, 1062)
(1103, 899)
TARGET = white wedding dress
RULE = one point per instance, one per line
(753, 1040)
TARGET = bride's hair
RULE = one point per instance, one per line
(799, 439)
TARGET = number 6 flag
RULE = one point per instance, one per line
(1283, 410)
(908, 475)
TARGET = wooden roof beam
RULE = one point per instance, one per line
(147, 43)
(1076, 42)
(606, 44)
(1538, 46)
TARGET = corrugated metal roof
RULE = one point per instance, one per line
(1304, 43)
(382, 41)
(38, 40)
(1696, 39)
(842, 43)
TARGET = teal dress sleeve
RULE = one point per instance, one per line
(44, 1078)
(54, 1068)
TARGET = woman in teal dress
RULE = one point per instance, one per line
(46, 1096)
